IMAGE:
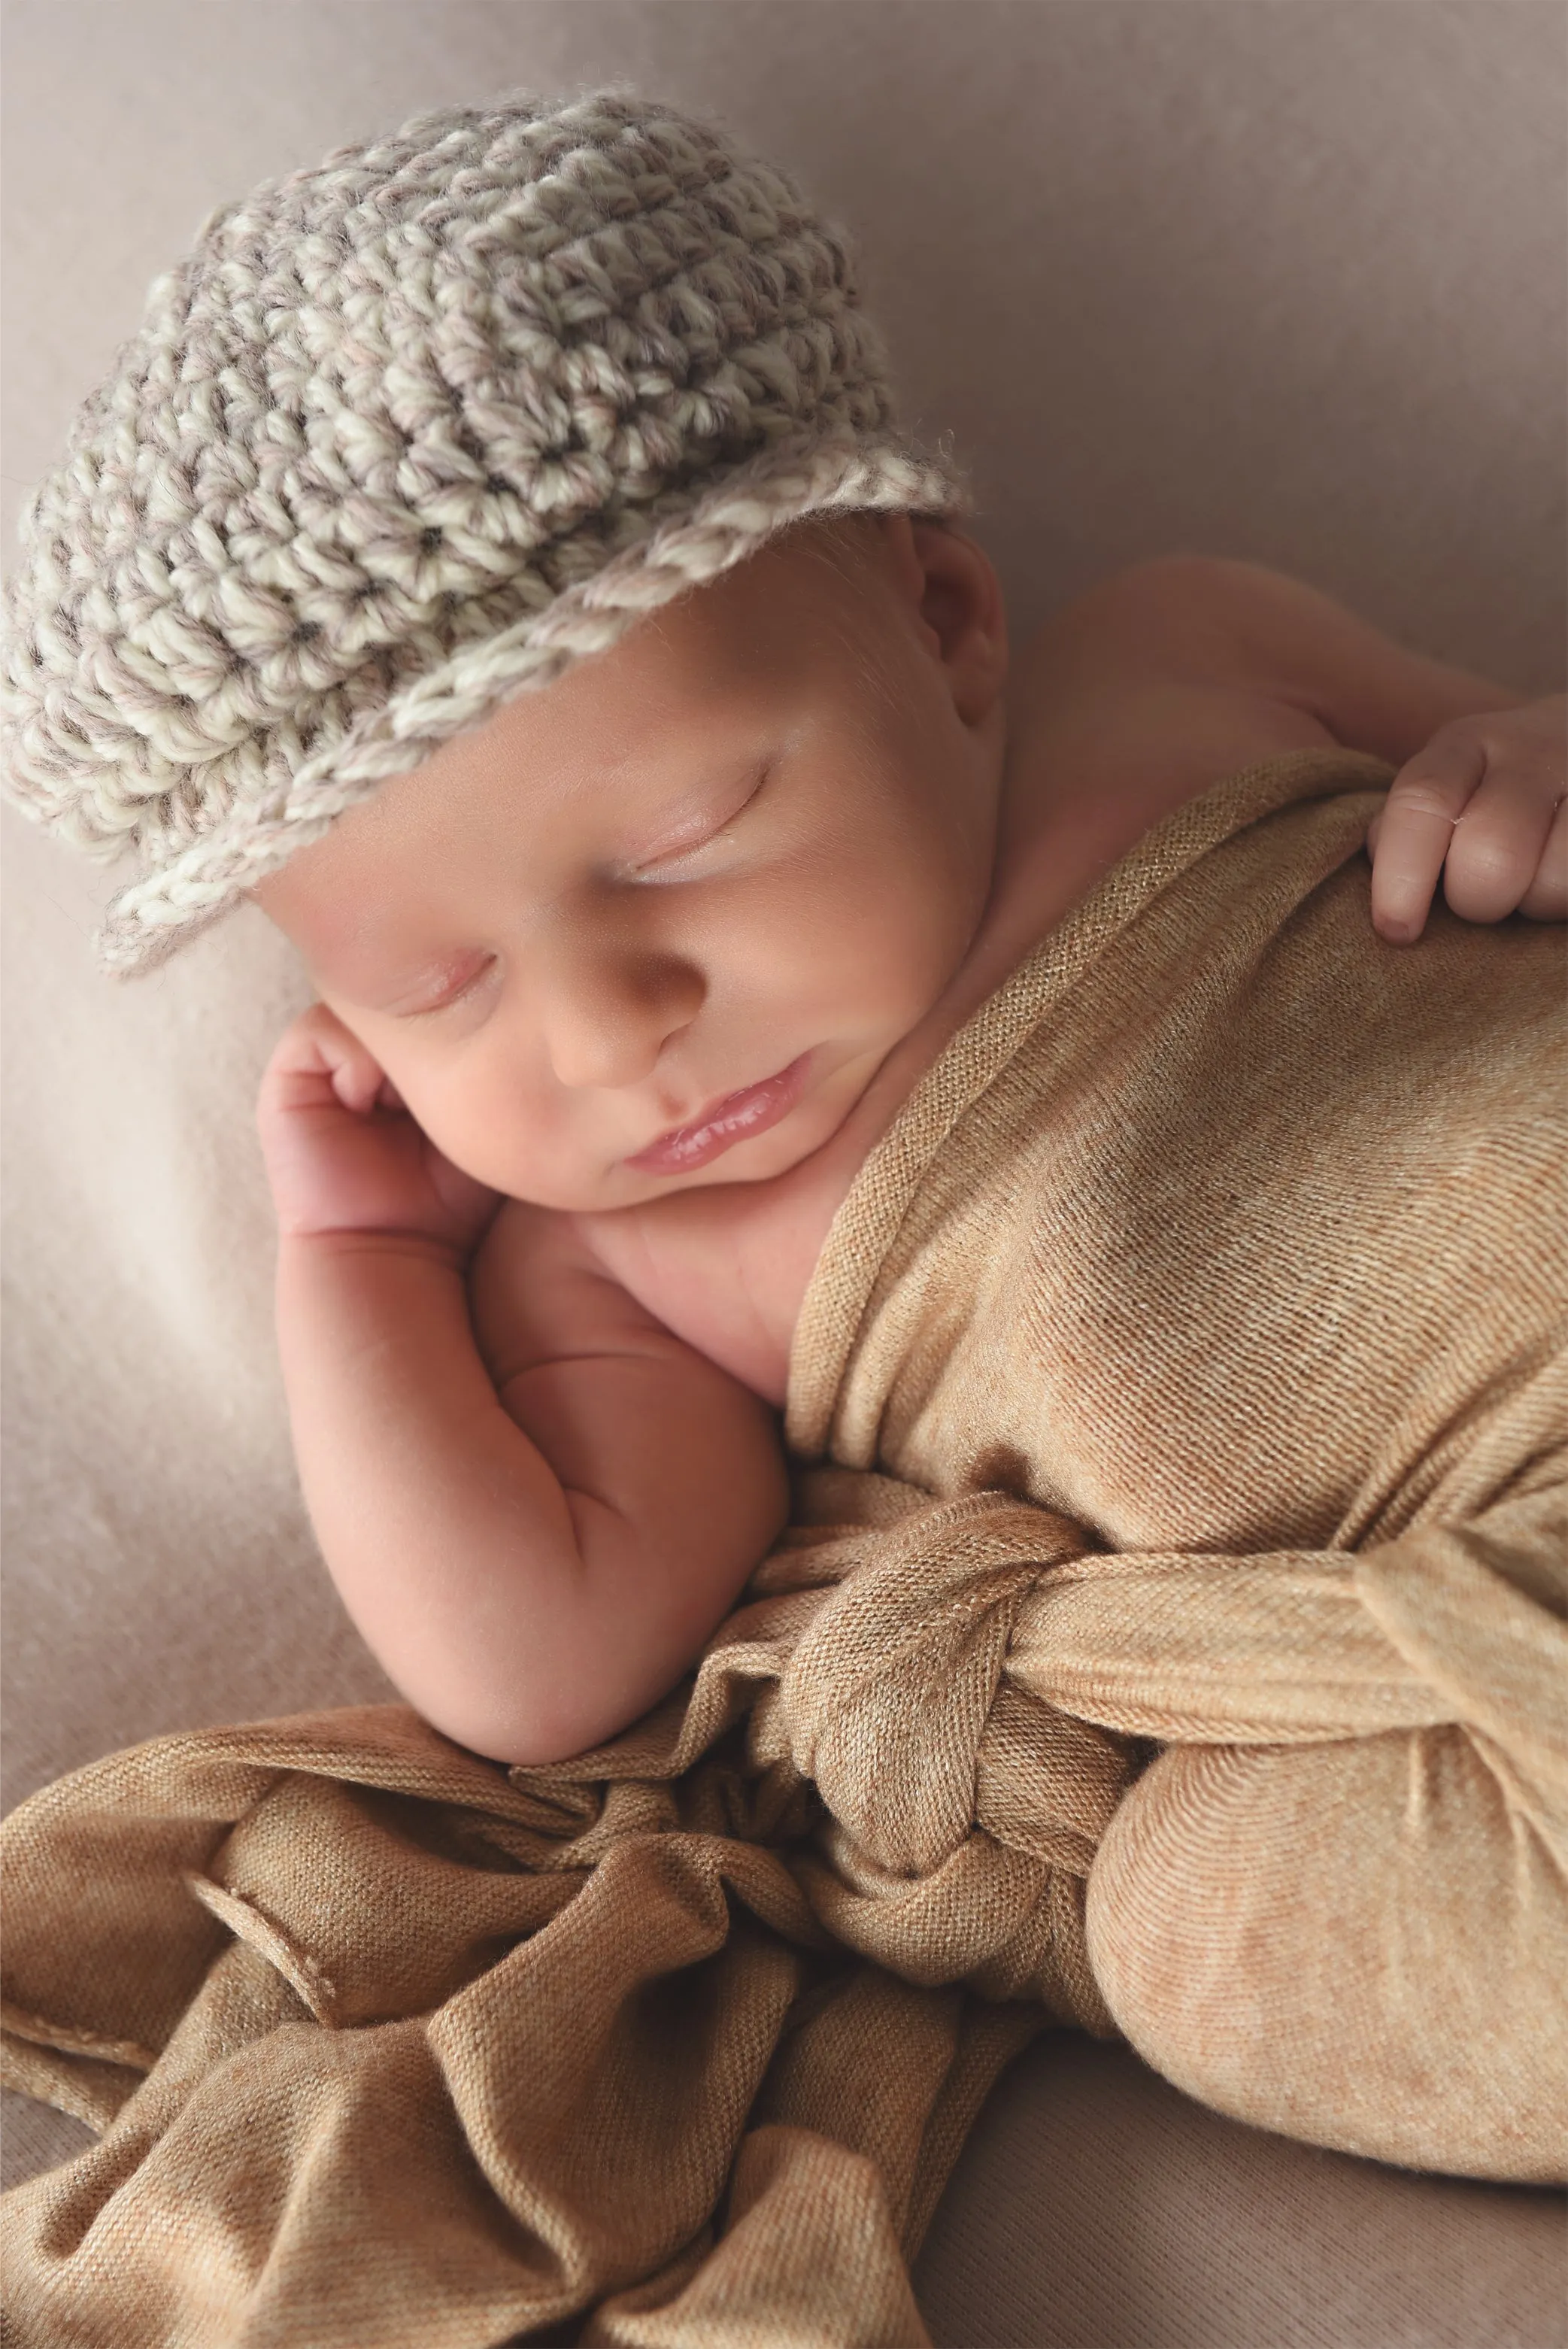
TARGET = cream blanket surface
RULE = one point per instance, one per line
(1169, 1639)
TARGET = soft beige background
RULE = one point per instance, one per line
(1274, 278)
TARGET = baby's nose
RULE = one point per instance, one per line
(606, 1022)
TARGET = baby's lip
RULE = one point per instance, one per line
(749, 1109)
(713, 1109)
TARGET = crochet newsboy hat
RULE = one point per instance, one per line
(402, 436)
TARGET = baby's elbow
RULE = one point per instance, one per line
(645, 1599)
(556, 1717)
(522, 1738)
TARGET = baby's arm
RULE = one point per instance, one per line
(533, 1574)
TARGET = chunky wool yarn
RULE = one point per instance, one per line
(403, 435)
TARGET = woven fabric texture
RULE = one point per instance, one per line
(1168, 1640)
(406, 434)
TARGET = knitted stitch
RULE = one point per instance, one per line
(406, 434)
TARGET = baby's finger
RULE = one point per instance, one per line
(1425, 801)
(1546, 899)
(356, 1073)
(317, 1061)
(1498, 844)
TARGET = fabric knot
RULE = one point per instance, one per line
(965, 1811)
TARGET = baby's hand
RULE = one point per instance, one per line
(342, 1155)
(1483, 804)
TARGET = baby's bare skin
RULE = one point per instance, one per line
(800, 812)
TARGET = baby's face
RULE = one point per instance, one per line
(755, 836)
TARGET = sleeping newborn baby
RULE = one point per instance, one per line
(651, 959)
(496, 557)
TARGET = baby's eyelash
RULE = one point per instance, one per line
(677, 855)
(694, 848)
(445, 1003)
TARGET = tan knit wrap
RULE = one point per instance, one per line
(407, 434)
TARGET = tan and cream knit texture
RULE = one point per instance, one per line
(1170, 1639)
(406, 434)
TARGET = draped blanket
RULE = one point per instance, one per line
(1171, 1639)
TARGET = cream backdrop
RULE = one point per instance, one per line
(1282, 279)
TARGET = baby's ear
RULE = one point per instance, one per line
(963, 613)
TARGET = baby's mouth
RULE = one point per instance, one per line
(733, 1118)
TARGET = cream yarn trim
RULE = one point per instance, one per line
(161, 912)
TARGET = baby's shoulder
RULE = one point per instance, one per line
(726, 1268)
(723, 1270)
